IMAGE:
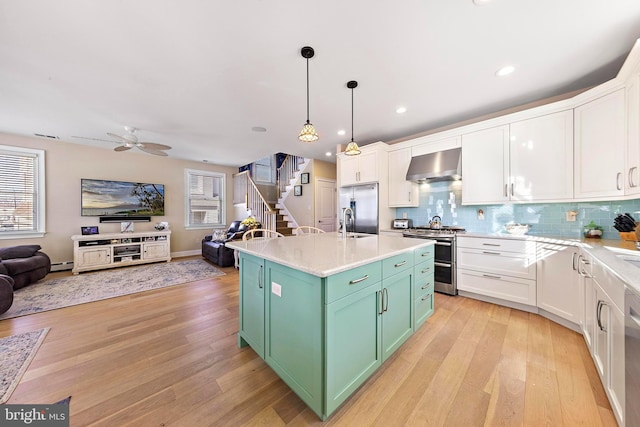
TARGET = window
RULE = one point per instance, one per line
(205, 199)
(22, 213)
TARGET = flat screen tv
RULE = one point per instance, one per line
(102, 197)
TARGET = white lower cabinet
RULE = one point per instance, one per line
(607, 349)
(498, 268)
(557, 281)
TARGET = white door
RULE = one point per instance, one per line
(325, 205)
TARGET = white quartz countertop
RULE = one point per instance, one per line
(326, 254)
(603, 250)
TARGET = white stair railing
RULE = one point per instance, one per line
(287, 171)
(254, 200)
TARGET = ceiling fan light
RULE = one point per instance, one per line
(352, 149)
(308, 133)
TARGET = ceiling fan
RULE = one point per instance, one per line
(130, 140)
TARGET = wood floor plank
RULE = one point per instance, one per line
(170, 357)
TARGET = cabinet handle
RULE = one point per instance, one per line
(380, 299)
(260, 277)
(363, 278)
(618, 178)
(426, 254)
(426, 270)
(400, 264)
(409, 195)
(573, 262)
(506, 194)
(512, 193)
(634, 316)
(491, 253)
(631, 183)
(386, 300)
(599, 315)
(426, 297)
(492, 277)
(425, 286)
(491, 244)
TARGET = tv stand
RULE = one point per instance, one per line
(100, 251)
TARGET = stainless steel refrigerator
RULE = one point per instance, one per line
(363, 200)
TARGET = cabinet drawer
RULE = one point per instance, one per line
(609, 283)
(345, 283)
(522, 291)
(423, 308)
(498, 263)
(396, 264)
(423, 274)
(424, 254)
(507, 245)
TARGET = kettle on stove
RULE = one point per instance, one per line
(435, 223)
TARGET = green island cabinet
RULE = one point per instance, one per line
(324, 336)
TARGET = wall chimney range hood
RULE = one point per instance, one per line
(439, 166)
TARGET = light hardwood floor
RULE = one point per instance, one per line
(170, 358)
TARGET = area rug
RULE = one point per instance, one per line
(16, 353)
(88, 287)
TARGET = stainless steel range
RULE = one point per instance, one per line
(445, 254)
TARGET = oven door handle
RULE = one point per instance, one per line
(440, 243)
(442, 264)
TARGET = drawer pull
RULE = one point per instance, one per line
(400, 264)
(426, 297)
(492, 277)
(490, 244)
(491, 253)
(426, 270)
(426, 254)
(363, 278)
(425, 286)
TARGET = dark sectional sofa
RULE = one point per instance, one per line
(215, 250)
(19, 267)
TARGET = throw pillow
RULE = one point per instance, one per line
(21, 251)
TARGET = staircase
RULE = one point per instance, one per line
(282, 223)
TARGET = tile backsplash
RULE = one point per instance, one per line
(445, 199)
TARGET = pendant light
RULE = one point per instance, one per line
(352, 148)
(308, 132)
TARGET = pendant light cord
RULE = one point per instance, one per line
(307, 90)
(352, 115)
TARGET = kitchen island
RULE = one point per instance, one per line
(325, 311)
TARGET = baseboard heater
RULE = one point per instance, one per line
(61, 266)
(122, 218)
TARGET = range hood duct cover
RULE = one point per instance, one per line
(440, 166)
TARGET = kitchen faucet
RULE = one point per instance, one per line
(344, 220)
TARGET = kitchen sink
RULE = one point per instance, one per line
(631, 259)
(355, 236)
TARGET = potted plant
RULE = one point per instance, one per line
(592, 230)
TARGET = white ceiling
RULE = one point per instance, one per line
(198, 75)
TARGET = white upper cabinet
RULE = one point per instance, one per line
(541, 158)
(528, 160)
(402, 193)
(485, 166)
(632, 171)
(360, 169)
(600, 145)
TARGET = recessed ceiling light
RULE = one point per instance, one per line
(401, 110)
(258, 129)
(328, 154)
(505, 71)
(342, 132)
